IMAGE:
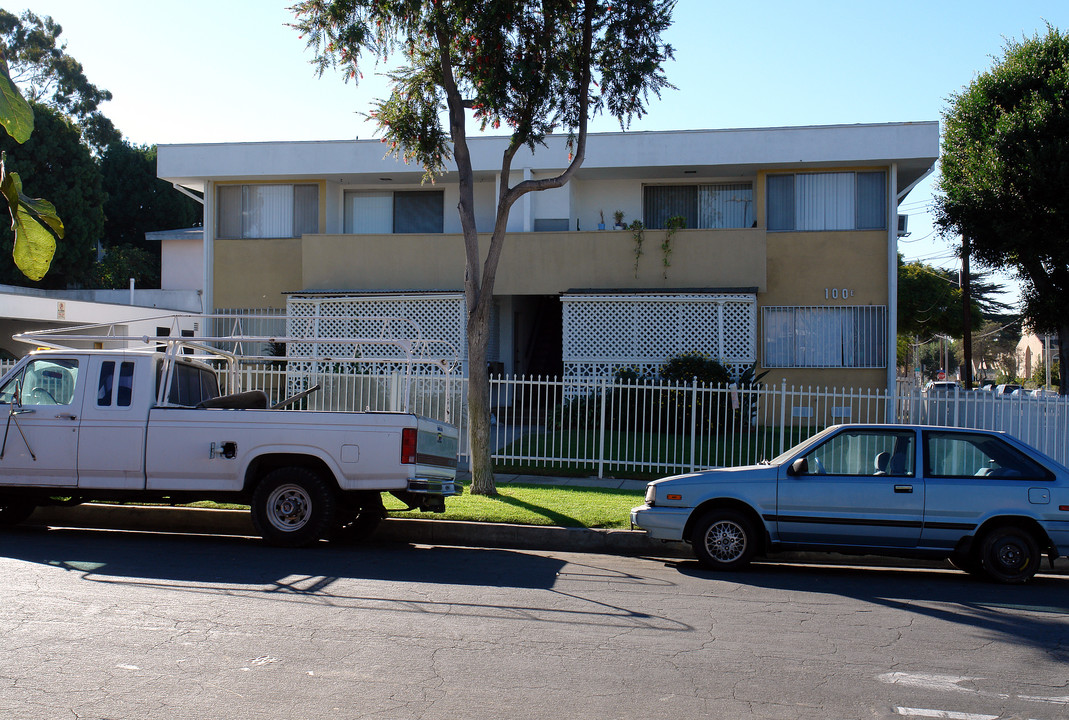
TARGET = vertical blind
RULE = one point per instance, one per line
(383, 212)
(725, 205)
(267, 211)
(814, 337)
(827, 201)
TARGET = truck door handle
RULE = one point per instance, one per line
(67, 416)
(903, 488)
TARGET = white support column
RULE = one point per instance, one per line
(208, 296)
(892, 289)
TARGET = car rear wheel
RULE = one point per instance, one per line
(724, 540)
(293, 507)
(1010, 555)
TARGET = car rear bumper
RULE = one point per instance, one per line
(660, 522)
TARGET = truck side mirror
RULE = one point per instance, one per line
(799, 467)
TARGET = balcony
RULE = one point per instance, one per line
(538, 263)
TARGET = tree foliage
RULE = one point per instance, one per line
(39, 63)
(1005, 167)
(534, 67)
(55, 162)
(930, 300)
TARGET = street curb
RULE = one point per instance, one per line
(411, 530)
(207, 521)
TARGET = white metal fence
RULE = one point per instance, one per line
(608, 427)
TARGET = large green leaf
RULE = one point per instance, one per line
(16, 115)
(31, 218)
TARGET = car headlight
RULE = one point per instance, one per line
(651, 494)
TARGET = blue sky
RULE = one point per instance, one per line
(230, 70)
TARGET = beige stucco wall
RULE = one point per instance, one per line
(255, 273)
(813, 269)
(537, 263)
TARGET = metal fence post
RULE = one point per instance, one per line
(782, 414)
(693, 419)
(601, 440)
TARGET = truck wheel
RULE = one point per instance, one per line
(292, 507)
(356, 520)
(12, 512)
(724, 540)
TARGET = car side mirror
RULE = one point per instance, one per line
(799, 467)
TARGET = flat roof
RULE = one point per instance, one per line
(664, 154)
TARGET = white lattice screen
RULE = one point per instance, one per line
(438, 317)
(605, 332)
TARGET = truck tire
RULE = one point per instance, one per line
(357, 518)
(293, 507)
(12, 512)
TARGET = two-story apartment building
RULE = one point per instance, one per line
(787, 255)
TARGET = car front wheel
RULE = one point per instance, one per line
(724, 540)
(1010, 555)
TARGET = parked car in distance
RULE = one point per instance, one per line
(991, 504)
(940, 386)
(1007, 388)
(1045, 392)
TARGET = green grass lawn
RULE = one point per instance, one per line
(641, 455)
(520, 504)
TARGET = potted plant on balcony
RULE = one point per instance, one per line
(618, 218)
(601, 225)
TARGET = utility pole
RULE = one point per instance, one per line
(966, 311)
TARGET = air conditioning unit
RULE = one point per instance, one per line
(903, 223)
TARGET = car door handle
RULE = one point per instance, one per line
(67, 416)
(903, 488)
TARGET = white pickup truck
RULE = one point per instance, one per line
(146, 425)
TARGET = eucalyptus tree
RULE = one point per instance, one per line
(533, 67)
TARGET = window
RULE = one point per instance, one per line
(105, 387)
(827, 201)
(864, 452)
(189, 384)
(267, 211)
(382, 212)
(852, 337)
(43, 382)
(725, 205)
(957, 454)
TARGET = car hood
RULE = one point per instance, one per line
(747, 473)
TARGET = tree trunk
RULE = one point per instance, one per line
(482, 467)
(1063, 358)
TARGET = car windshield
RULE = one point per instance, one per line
(793, 451)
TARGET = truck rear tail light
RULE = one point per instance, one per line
(408, 446)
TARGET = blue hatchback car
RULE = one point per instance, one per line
(991, 504)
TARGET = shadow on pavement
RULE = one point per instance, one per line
(246, 561)
(1033, 614)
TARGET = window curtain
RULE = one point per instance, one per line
(368, 212)
(660, 202)
(419, 211)
(228, 211)
(872, 201)
(825, 201)
(780, 201)
(305, 209)
(725, 206)
(824, 337)
(267, 211)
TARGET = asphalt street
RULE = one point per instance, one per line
(122, 624)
